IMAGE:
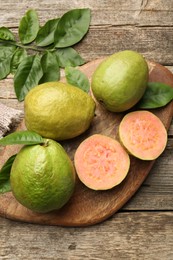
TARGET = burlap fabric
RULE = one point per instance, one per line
(9, 119)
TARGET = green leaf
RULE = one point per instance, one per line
(5, 186)
(17, 58)
(29, 27)
(72, 27)
(50, 67)
(68, 57)
(156, 95)
(6, 34)
(5, 175)
(77, 78)
(27, 76)
(22, 137)
(6, 54)
(45, 35)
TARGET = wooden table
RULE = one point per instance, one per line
(143, 228)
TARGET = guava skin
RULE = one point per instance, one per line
(58, 111)
(120, 80)
(42, 177)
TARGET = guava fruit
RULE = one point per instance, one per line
(143, 134)
(101, 162)
(120, 80)
(58, 111)
(42, 177)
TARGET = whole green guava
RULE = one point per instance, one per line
(120, 80)
(42, 177)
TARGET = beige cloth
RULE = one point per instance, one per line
(9, 118)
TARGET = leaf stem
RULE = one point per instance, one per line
(33, 48)
(18, 44)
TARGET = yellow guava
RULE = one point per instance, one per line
(58, 111)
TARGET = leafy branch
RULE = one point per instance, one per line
(52, 46)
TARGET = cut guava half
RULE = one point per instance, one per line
(143, 134)
(101, 162)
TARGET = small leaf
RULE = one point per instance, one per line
(22, 137)
(72, 27)
(77, 78)
(45, 35)
(27, 76)
(17, 58)
(29, 27)
(6, 34)
(5, 175)
(156, 95)
(5, 170)
(6, 54)
(50, 68)
(5, 186)
(68, 57)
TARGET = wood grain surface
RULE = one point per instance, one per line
(142, 229)
(142, 235)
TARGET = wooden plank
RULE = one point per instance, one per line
(126, 25)
(171, 131)
(137, 13)
(155, 43)
(135, 235)
(156, 191)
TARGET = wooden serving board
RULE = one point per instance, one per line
(87, 207)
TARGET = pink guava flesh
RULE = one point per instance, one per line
(101, 162)
(143, 134)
